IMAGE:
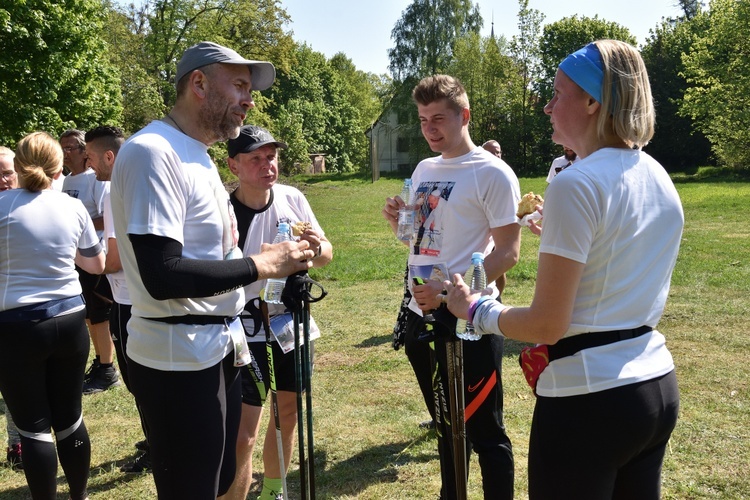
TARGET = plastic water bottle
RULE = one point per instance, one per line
(274, 286)
(406, 214)
(476, 278)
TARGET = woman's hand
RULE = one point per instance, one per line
(460, 296)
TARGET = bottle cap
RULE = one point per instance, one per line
(283, 227)
(477, 256)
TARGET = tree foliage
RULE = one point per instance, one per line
(54, 71)
(676, 144)
(717, 69)
(527, 124)
(423, 37)
(490, 75)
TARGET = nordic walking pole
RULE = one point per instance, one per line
(297, 298)
(274, 396)
(307, 378)
(299, 385)
(454, 356)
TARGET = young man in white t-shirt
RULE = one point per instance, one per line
(83, 185)
(478, 193)
(178, 246)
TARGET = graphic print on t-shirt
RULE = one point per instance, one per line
(431, 199)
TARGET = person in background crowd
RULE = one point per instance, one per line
(607, 397)
(177, 237)
(102, 145)
(43, 341)
(493, 147)
(261, 204)
(482, 194)
(560, 163)
(82, 184)
(9, 180)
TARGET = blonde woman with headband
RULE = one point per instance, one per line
(43, 340)
(607, 396)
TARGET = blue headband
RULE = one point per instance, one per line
(584, 67)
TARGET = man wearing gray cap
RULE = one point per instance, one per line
(261, 204)
(177, 237)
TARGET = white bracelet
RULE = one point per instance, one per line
(486, 316)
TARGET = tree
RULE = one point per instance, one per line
(718, 71)
(142, 102)
(489, 74)
(255, 28)
(525, 118)
(423, 37)
(676, 144)
(63, 78)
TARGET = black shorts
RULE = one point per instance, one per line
(97, 294)
(255, 379)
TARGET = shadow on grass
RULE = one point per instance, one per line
(379, 464)
(375, 341)
(22, 492)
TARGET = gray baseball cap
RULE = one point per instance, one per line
(205, 53)
(251, 138)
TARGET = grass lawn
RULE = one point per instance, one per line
(366, 401)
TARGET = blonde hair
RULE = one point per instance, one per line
(39, 158)
(437, 87)
(626, 92)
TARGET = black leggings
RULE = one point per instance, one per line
(41, 377)
(483, 392)
(118, 323)
(193, 418)
(607, 444)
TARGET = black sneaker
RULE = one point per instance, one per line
(142, 445)
(13, 455)
(102, 380)
(141, 464)
(92, 371)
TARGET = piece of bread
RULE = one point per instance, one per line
(299, 228)
(528, 204)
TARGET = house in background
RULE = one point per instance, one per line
(391, 144)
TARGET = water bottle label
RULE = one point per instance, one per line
(405, 224)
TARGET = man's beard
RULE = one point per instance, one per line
(216, 118)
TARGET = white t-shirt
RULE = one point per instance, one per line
(39, 236)
(479, 191)
(617, 212)
(559, 162)
(162, 185)
(90, 191)
(289, 205)
(116, 280)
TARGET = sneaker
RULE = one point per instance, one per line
(92, 371)
(142, 445)
(141, 464)
(13, 455)
(102, 380)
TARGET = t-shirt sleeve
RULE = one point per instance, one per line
(157, 195)
(571, 216)
(88, 239)
(501, 194)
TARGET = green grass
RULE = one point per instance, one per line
(366, 401)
